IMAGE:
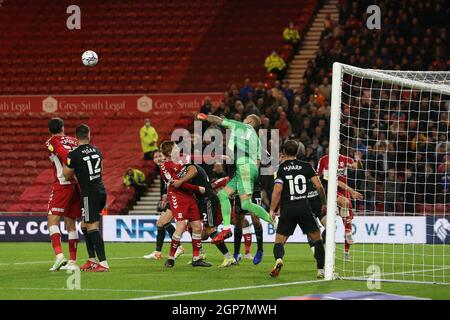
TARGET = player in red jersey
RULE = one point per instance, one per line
(65, 196)
(182, 204)
(164, 223)
(344, 194)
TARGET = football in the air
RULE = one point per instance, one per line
(89, 58)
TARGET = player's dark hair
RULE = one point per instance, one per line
(166, 147)
(290, 148)
(55, 125)
(82, 132)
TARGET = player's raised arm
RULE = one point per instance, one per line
(191, 173)
(182, 182)
(210, 118)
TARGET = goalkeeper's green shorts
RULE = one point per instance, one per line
(244, 179)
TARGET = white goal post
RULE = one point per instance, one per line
(389, 108)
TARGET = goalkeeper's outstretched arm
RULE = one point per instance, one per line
(210, 118)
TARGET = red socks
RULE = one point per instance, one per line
(55, 237)
(196, 244)
(56, 243)
(173, 246)
(247, 242)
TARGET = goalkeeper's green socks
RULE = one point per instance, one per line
(246, 204)
(225, 206)
(249, 206)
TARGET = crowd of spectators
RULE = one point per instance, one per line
(402, 134)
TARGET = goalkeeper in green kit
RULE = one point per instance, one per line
(244, 141)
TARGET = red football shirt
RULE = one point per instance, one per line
(343, 164)
(59, 147)
(171, 171)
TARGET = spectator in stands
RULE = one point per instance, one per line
(444, 181)
(297, 118)
(284, 126)
(239, 109)
(207, 105)
(426, 185)
(149, 140)
(291, 36)
(317, 147)
(245, 90)
(325, 89)
(408, 190)
(275, 64)
(260, 91)
(288, 92)
(265, 123)
(390, 191)
(260, 105)
(328, 22)
(251, 108)
(369, 186)
(135, 179)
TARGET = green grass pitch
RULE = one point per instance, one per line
(24, 275)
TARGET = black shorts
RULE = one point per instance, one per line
(209, 209)
(316, 207)
(292, 216)
(256, 198)
(92, 206)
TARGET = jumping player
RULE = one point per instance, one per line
(208, 204)
(183, 205)
(290, 193)
(164, 223)
(245, 142)
(344, 194)
(241, 225)
(65, 196)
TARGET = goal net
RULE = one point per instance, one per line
(395, 126)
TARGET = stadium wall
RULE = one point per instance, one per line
(145, 103)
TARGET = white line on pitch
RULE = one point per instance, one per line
(415, 271)
(404, 273)
(226, 289)
(87, 289)
(51, 261)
